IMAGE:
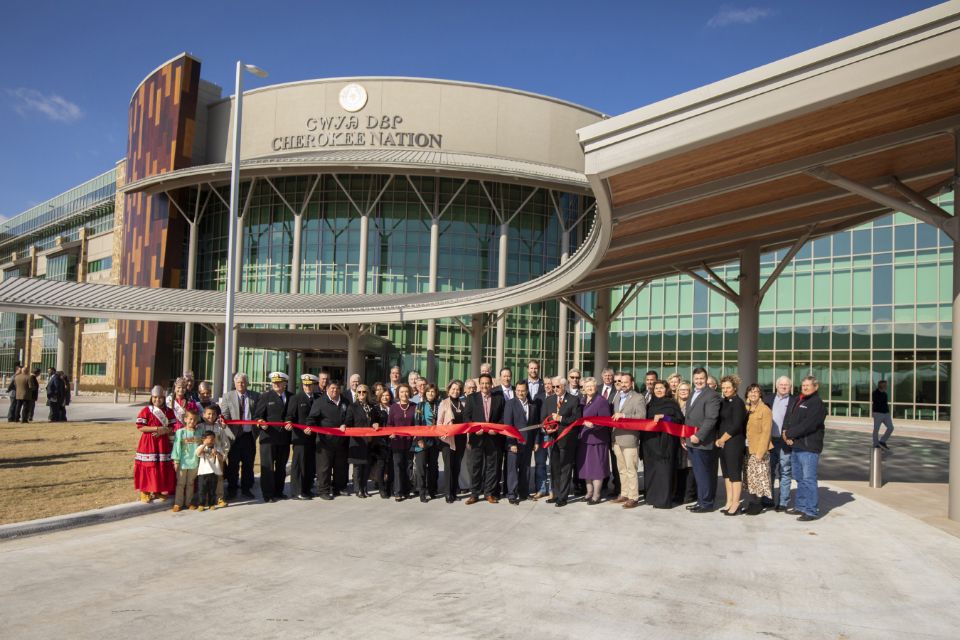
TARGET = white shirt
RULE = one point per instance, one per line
(209, 464)
(534, 387)
(507, 392)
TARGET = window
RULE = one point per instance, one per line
(94, 321)
(94, 368)
(103, 264)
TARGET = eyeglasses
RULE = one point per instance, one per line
(574, 377)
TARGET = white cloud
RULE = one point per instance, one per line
(53, 106)
(731, 15)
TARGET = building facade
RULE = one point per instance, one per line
(410, 186)
(371, 185)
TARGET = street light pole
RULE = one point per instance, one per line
(228, 342)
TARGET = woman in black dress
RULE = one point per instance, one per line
(732, 427)
(660, 449)
(381, 457)
(362, 413)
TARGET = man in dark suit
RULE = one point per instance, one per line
(608, 388)
(520, 412)
(484, 448)
(538, 390)
(330, 410)
(303, 465)
(239, 405)
(274, 441)
(564, 409)
(703, 412)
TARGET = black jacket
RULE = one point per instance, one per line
(570, 410)
(298, 410)
(273, 408)
(804, 423)
(473, 412)
(657, 443)
(327, 413)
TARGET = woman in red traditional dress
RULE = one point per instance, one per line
(179, 401)
(153, 473)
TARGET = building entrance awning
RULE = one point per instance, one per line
(803, 147)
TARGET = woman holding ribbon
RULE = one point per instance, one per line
(593, 458)
(362, 414)
(425, 451)
(449, 412)
(153, 473)
(660, 449)
(402, 414)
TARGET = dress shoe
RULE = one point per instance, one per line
(399, 499)
(731, 513)
(592, 501)
(630, 504)
(560, 503)
(551, 500)
(450, 500)
(492, 500)
(514, 501)
(424, 498)
(807, 518)
(793, 512)
(692, 507)
(325, 496)
(780, 508)
(306, 496)
(619, 500)
(472, 500)
(699, 509)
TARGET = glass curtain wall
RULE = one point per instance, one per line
(398, 256)
(860, 306)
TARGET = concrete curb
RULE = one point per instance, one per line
(81, 519)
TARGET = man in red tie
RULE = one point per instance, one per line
(484, 449)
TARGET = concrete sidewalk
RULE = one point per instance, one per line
(374, 569)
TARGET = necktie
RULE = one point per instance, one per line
(606, 393)
(486, 408)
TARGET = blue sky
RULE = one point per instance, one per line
(70, 67)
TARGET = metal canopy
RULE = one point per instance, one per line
(406, 161)
(799, 147)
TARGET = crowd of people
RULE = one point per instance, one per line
(24, 393)
(758, 441)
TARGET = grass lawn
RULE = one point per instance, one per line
(48, 469)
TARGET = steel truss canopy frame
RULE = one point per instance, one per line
(807, 142)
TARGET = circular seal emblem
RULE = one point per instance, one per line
(353, 97)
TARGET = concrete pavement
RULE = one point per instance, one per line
(373, 568)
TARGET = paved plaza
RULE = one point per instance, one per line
(373, 568)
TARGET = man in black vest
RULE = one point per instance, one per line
(564, 409)
(485, 449)
(274, 441)
(303, 465)
(329, 410)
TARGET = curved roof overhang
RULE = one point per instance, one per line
(397, 161)
(89, 300)
(800, 148)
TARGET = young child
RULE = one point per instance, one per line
(185, 460)
(223, 439)
(210, 469)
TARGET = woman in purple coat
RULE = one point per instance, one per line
(593, 454)
(401, 414)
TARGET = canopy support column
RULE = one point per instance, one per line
(477, 328)
(219, 351)
(749, 306)
(502, 283)
(563, 318)
(601, 331)
(292, 371)
(65, 328)
(432, 287)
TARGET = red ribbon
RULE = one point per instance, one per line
(630, 424)
(436, 431)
